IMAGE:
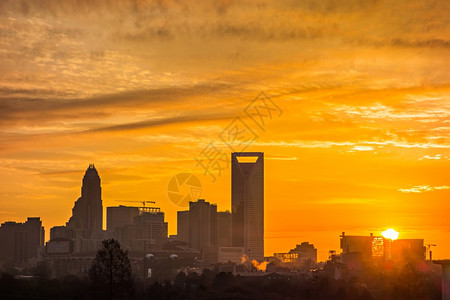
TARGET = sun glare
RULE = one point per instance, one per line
(390, 234)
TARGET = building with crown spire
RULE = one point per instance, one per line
(141, 230)
(87, 213)
(84, 230)
(72, 247)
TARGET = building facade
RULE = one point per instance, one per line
(224, 229)
(20, 242)
(119, 223)
(247, 202)
(303, 252)
(183, 226)
(202, 224)
(149, 229)
(356, 249)
(118, 216)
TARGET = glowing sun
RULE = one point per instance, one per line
(390, 234)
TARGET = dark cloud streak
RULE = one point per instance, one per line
(163, 122)
(15, 108)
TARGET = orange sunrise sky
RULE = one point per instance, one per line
(140, 88)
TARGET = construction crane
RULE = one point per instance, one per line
(143, 209)
(143, 202)
(429, 250)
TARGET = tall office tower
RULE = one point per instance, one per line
(202, 224)
(183, 226)
(119, 222)
(224, 229)
(149, 226)
(21, 241)
(247, 202)
(119, 216)
(87, 213)
(8, 235)
(35, 236)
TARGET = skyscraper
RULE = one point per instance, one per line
(150, 226)
(202, 224)
(20, 241)
(87, 213)
(119, 216)
(224, 229)
(183, 226)
(119, 221)
(247, 202)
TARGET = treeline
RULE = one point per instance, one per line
(32, 287)
(208, 285)
(408, 283)
(412, 281)
(213, 285)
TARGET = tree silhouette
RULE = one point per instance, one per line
(111, 268)
(410, 283)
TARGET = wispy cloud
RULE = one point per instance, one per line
(37, 110)
(349, 201)
(164, 121)
(434, 157)
(279, 158)
(380, 111)
(359, 146)
(363, 148)
(424, 188)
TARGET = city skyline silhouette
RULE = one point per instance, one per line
(348, 101)
(225, 149)
(79, 226)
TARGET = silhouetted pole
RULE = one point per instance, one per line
(145, 265)
(429, 250)
(110, 277)
(145, 260)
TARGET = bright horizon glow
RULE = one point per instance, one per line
(390, 234)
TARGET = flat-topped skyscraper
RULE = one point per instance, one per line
(247, 202)
(20, 242)
(202, 224)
